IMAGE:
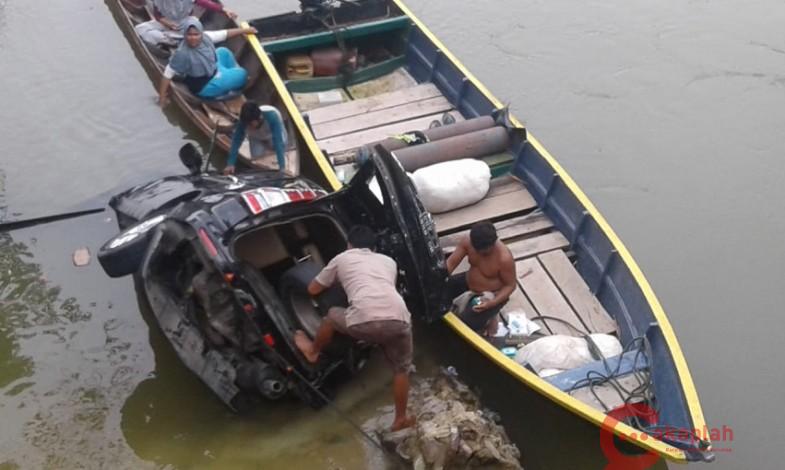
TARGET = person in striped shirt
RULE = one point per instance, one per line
(264, 128)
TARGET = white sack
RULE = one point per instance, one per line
(565, 352)
(451, 185)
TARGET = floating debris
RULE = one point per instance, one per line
(81, 257)
(452, 430)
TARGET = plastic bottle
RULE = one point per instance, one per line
(480, 298)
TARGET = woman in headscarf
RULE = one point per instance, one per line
(170, 16)
(207, 71)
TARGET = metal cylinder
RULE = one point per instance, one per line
(272, 388)
(472, 145)
(443, 132)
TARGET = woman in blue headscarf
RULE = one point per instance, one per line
(207, 71)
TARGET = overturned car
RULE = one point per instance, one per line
(224, 262)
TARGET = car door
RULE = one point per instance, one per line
(382, 196)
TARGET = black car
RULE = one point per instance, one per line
(225, 261)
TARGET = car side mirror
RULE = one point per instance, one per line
(191, 158)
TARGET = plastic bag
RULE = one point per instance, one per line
(520, 325)
(565, 352)
(451, 185)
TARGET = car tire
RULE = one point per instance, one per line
(294, 293)
(122, 254)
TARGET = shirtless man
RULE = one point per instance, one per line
(492, 268)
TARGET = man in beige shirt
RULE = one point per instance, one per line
(376, 314)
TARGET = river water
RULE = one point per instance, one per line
(668, 114)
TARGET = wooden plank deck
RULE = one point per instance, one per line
(529, 247)
(358, 139)
(507, 230)
(505, 199)
(607, 393)
(547, 298)
(372, 104)
(404, 112)
(577, 293)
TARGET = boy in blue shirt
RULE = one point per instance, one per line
(263, 125)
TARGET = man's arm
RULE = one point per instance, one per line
(237, 140)
(457, 256)
(275, 121)
(314, 288)
(324, 279)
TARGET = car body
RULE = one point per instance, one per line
(224, 262)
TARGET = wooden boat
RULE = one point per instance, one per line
(580, 271)
(213, 118)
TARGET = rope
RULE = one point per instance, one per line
(289, 367)
(332, 406)
(644, 390)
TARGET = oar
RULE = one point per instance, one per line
(25, 223)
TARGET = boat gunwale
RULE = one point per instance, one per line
(570, 403)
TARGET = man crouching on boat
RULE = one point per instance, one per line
(264, 128)
(491, 275)
(377, 313)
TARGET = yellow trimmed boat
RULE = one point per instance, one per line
(395, 77)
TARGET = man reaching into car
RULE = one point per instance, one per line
(376, 314)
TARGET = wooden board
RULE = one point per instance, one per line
(510, 229)
(381, 117)
(306, 102)
(269, 161)
(529, 247)
(222, 120)
(577, 293)
(400, 79)
(509, 199)
(546, 297)
(519, 302)
(607, 393)
(358, 139)
(373, 103)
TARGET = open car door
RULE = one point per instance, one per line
(383, 197)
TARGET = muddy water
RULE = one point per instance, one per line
(668, 114)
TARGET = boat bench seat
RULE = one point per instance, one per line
(566, 380)
(324, 38)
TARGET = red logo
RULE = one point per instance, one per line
(618, 460)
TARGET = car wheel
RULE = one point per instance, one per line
(294, 293)
(122, 254)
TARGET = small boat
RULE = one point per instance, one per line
(394, 82)
(214, 118)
